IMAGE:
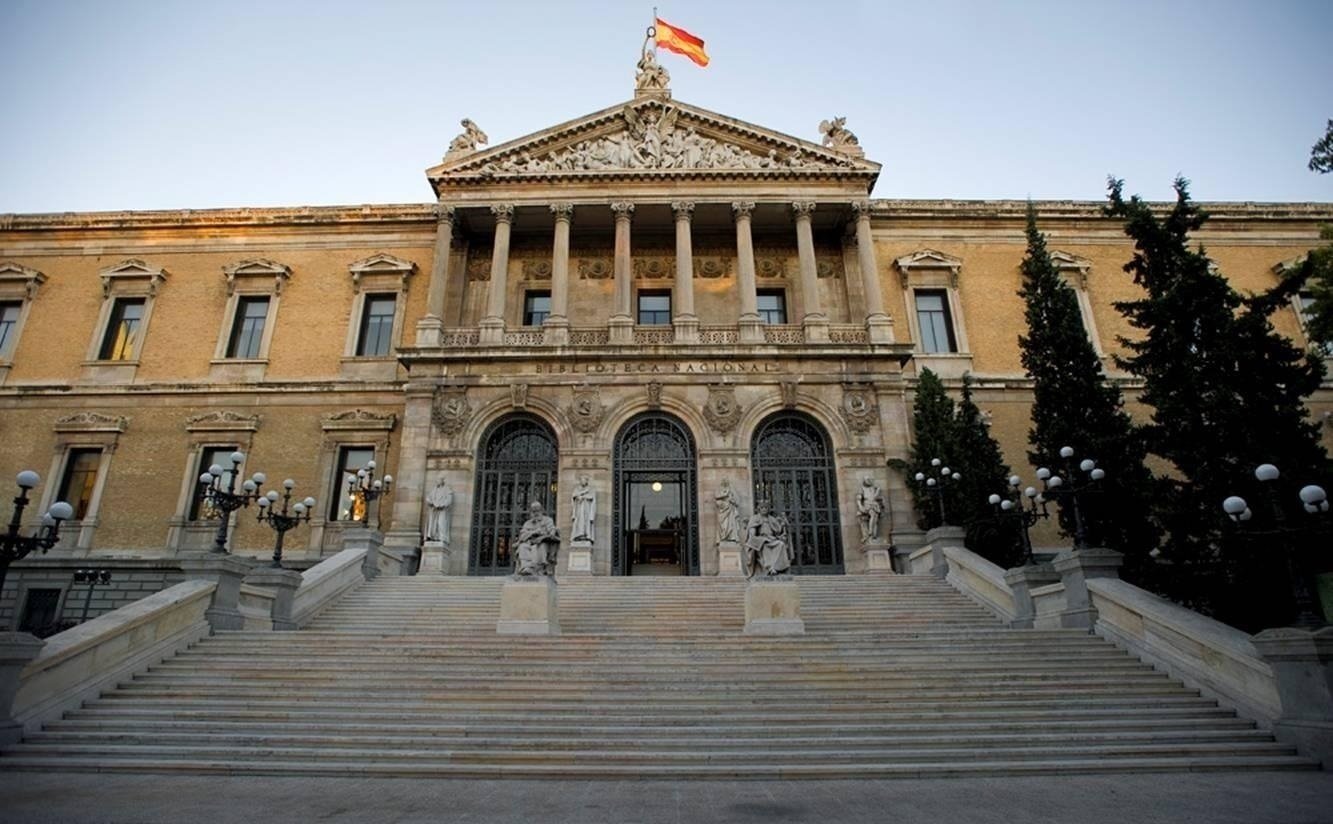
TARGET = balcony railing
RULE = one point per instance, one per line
(777, 334)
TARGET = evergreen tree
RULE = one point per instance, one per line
(1317, 272)
(1321, 153)
(1075, 405)
(984, 473)
(934, 436)
(1227, 394)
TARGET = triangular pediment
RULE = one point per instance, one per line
(1066, 260)
(928, 259)
(647, 138)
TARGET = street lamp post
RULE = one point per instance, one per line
(934, 483)
(367, 487)
(1071, 487)
(1314, 500)
(91, 577)
(13, 545)
(1026, 507)
(285, 520)
(223, 497)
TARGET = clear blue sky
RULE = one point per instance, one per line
(176, 103)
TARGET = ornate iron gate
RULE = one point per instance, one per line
(517, 464)
(791, 463)
(653, 446)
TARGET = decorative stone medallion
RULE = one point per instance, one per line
(722, 411)
(518, 395)
(585, 413)
(858, 407)
(450, 410)
(655, 394)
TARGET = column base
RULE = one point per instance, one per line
(430, 332)
(579, 559)
(685, 328)
(730, 560)
(621, 329)
(555, 331)
(751, 329)
(879, 329)
(816, 328)
(773, 608)
(529, 607)
(879, 559)
(492, 331)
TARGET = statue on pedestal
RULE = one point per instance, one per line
(585, 511)
(869, 508)
(441, 503)
(728, 514)
(767, 544)
(537, 545)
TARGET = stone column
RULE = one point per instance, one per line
(879, 326)
(815, 322)
(493, 325)
(1075, 568)
(622, 321)
(555, 329)
(17, 649)
(409, 488)
(751, 328)
(430, 329)
(683, 319)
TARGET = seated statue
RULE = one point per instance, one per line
(767, 545)
(538, 545)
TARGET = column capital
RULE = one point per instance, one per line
(742, 208)
(803, 208)
(623, 209)
(504, 212)
(444, 213)
(563, 211)
(683, 209)
(862, 209)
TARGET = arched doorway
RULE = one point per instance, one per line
(654, 511)
(517, 463)
(791, 464)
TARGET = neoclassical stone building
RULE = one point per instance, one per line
(654, 296)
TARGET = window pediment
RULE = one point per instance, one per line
(928, 262)
(16, 279)
(1068, 263)
(257, 269)
(378, 267)
(132, 276)
(92, 422)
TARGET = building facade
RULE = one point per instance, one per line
(684, 309)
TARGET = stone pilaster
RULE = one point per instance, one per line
(409, 488)
(1076, 567)
(814, 321)
(751, 328)
(879, 326)
(17, 649)
(683, 320)
(430, 329)
(555, 329)
(493, 324)
(622, 321)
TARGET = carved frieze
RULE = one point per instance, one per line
(712, 267)
(537, 269)
(770, 266)
(828, 267)
(450, 410)
(479, 265)
(721, 410)
(654, 267)
(858, 407)
(595, 268)
(586, 411)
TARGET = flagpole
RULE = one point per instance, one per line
(652, 29)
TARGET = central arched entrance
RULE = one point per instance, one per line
(654, 511)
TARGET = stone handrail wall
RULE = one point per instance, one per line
(78, 664)
(1049, 603)
(1220, 660)
(921, 561)
(980, 580)
(256, 605)
(325, 583)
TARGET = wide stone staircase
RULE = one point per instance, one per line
(652, 678)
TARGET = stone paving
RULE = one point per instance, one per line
(1214, 798)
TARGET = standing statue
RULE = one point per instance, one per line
(651, 76)
(728, 514)
(537, 546)
(585, 511)
(869, 507)
(441, 503)
(468, 141)
(767, 544)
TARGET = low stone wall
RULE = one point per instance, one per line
(1220, 660)
(132, 579)
(256, 606)
(78, 664)
(921, 561)
(325, 583)
(1048, 602)
(980, 580)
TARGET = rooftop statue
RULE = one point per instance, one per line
(651, 76)
(467, 142)
(838, 137)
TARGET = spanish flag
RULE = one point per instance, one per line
(681, 42)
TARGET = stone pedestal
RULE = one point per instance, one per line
(879, 558)
(17, 649)
(685, 329)
(430, 332)
(555, 332)
(751, 329)
(937, 539)
(879, 328)
(284, 583)
(370, 540)
(227, 571)
(730, 560)
(492, 332)
(434, 554)
(579, 557)
(529, 607)
(815, 328)
(773, 607)
(620, 330)
(1022, 580)
(1076, 567)
(1302, 662)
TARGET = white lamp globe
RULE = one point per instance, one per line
(216, 470)
(1313, 494)
(1030, 492)
(1006, 505)
(1087, 464)
(263, 502)
(1097, 474)
(27, 479)
(1234, 505)
(272, 495)
(1055, 481)
(993, 499)
(1043, 474)
(1014, 481)
(930, 482)
(237, 457)
(1066, 452)
(61, 511)
(288, 484)
(1266, 472)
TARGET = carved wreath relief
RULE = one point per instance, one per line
(859, 408)
(450, 410)
(585, 413)
(722, 411)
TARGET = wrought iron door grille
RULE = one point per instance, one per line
(792, 466)
(517, 464)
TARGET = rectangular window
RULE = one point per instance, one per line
(932, 316)
(654, 308)
(772, 305)
(76, 487)
(121, 341)
(350, 459)
(536, 308)
(247, 330)
(40, 612)
(9, 324)
(220, 455)
(376, 326)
